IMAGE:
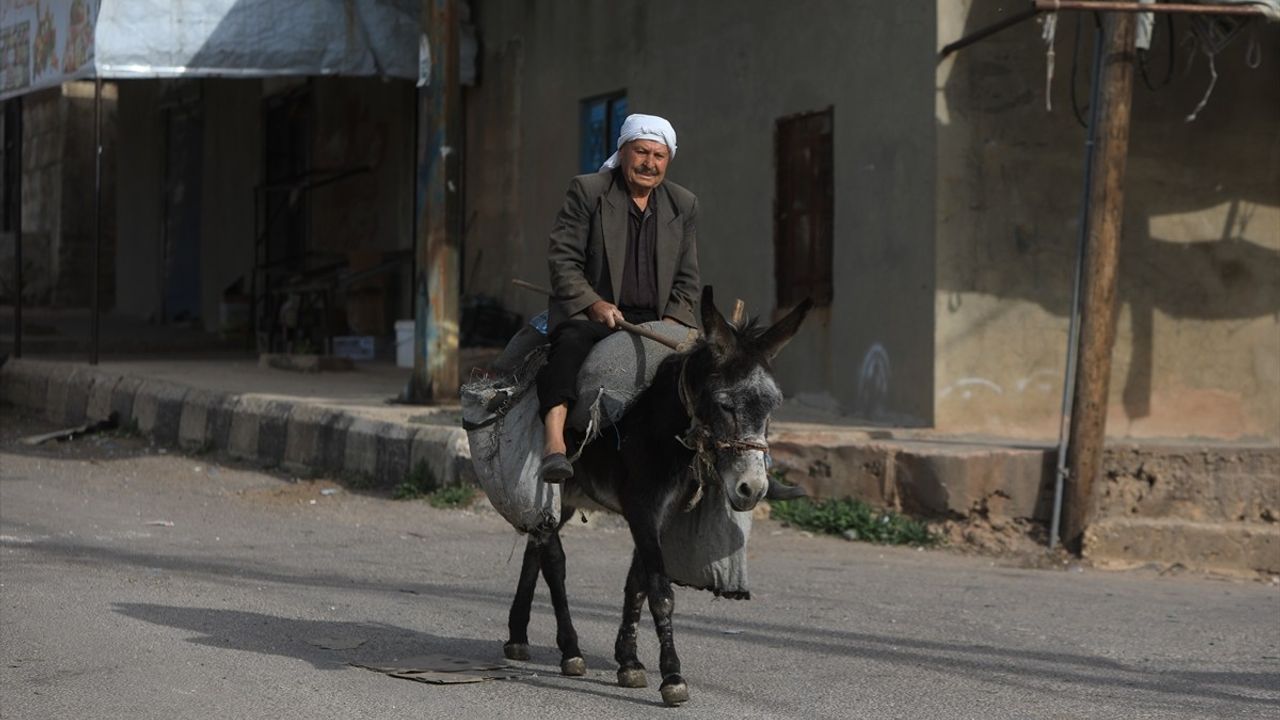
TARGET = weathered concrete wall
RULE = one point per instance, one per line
(723, 73)
(232, 169)
(138, 207)
(58, 198)
(42, 157)
(356, 122)
(74, 245)
(1198, 342)
(363, 122)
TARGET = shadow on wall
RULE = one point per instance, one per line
(1192, 245)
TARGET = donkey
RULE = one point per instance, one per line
(711, 404)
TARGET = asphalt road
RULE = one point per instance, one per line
(108, 611)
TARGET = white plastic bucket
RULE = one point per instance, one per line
(404, 343)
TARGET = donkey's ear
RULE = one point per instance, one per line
(773, 339)
(720, 337)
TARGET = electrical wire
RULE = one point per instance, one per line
(1142, 60)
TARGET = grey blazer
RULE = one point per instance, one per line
(591, 230)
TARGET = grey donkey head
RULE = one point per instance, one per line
(736, 396)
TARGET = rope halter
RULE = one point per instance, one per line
(705, 447)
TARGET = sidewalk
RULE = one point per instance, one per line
(1215, 506)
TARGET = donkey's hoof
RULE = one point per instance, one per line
(574, 667)
(516, 651)
(674, 691)
(632, 678)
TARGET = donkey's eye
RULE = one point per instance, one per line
(725, 404)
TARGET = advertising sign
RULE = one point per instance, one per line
(44, 43)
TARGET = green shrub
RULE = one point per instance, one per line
(855, 520)
(420, 483)
(129, 429)
(452, 496)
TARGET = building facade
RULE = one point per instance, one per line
(931, 207)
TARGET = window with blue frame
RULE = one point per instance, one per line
(600, 123)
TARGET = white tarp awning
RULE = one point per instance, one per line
(46, 42)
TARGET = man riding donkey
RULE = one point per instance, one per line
(691, 457)
(624, 247)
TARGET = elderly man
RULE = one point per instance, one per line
(624, 247)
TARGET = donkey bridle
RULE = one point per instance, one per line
(699, 439)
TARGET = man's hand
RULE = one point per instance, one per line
(605, 312)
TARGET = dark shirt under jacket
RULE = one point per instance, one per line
(640, 276)
(571, 341)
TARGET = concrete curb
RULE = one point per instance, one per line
(296, 436)
(929, 479)
(1247, 547)
(1203, 507)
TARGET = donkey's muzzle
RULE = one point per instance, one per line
(745, 495)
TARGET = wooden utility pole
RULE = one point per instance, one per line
(438, 229)
(1098, 313)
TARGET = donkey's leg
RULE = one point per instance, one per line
(662, 604)
(630, 669)
(517, 646)
(571, 662)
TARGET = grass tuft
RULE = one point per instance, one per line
(854, 519)
(129, 429)
(420, 483)
(452, 496)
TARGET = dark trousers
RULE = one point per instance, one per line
(571, 342)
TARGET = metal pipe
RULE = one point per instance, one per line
(1073, 332)
(17, 227)
(1135, 7)
(97, 216)
(988, 31)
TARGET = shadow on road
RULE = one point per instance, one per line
(378, 643)
(1015, 667)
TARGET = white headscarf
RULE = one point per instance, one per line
(643, 127)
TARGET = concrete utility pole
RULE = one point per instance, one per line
(1098, 316)
(437, 246)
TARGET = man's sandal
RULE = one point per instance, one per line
(556, 467)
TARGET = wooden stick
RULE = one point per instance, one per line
(739, 313)
(642, 332)
(531, 286)
(623, 324)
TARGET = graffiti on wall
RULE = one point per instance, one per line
(873, 383)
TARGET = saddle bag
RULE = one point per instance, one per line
(500, 415)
